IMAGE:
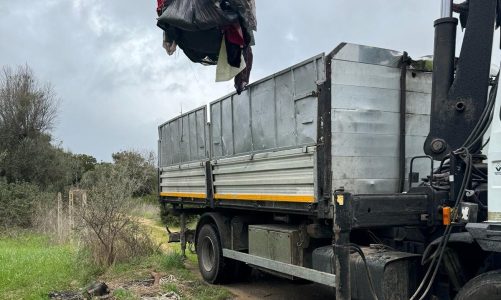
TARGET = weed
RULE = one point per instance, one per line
(173, 260)
(171, 287)
(123, 294)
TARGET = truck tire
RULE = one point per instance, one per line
(213, 266)
(486, 286)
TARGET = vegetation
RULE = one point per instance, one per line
(182, 281)
(140, 168)
(32, 266)
(28, 110)
(116, 235)
(18, 203)
(108, 229)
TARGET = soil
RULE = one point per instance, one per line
(264, 286)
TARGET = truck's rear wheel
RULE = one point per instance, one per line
(483, 287)
(213, 266)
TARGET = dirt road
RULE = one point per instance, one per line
(274, 288)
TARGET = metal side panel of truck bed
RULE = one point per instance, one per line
(291, 138)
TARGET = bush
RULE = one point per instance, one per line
(19, 203)
(107, 229)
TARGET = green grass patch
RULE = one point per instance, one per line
(173, 260)
(32, 266)
(171, 287)
(199, 290)
(139, 268)
(123, 294)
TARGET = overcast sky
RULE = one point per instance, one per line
(117, 84)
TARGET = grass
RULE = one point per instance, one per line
(32, 266)
(148, 211)
(188, 285)
(174, 261)
(123, 294)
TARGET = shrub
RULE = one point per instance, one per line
(19, 203)
(107, 229)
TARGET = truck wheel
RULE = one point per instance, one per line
(213, 266)
(486, 286)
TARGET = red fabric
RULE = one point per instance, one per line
(234, 34)
(160, 6)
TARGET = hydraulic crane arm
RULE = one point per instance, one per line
(458, 102)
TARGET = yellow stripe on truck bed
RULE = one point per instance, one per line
(266, 197)
(184, 195)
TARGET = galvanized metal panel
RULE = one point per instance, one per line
(365, 119)
(305, 78)
(306, 120)
(371, 168)
(183, 139)
(185, 178)
(374, 145)
(226, 128)
(263, 115)
(367, 55)
(286, 172)
(216, 132)
(201, 125)
(276, 112)
(289, 269)
(192, 127)
(377, 122)
(376, 76)
(285, 110)
(277, 242)
(175, 140)
(241, 128)
(280, 112)
(367, 185)
(367, 98)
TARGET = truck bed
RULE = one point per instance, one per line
(291, 139)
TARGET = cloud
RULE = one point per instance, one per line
(290, 37)
(117, 84)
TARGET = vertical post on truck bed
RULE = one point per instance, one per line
(342, 228)
(183, 233)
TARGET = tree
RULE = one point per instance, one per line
(140, 167)
(81, 164)
(27, 108)
(86, 162)
(36, 161)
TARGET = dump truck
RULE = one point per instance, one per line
(361, 169)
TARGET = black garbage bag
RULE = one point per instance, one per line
(200, 46)
(195, 15)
